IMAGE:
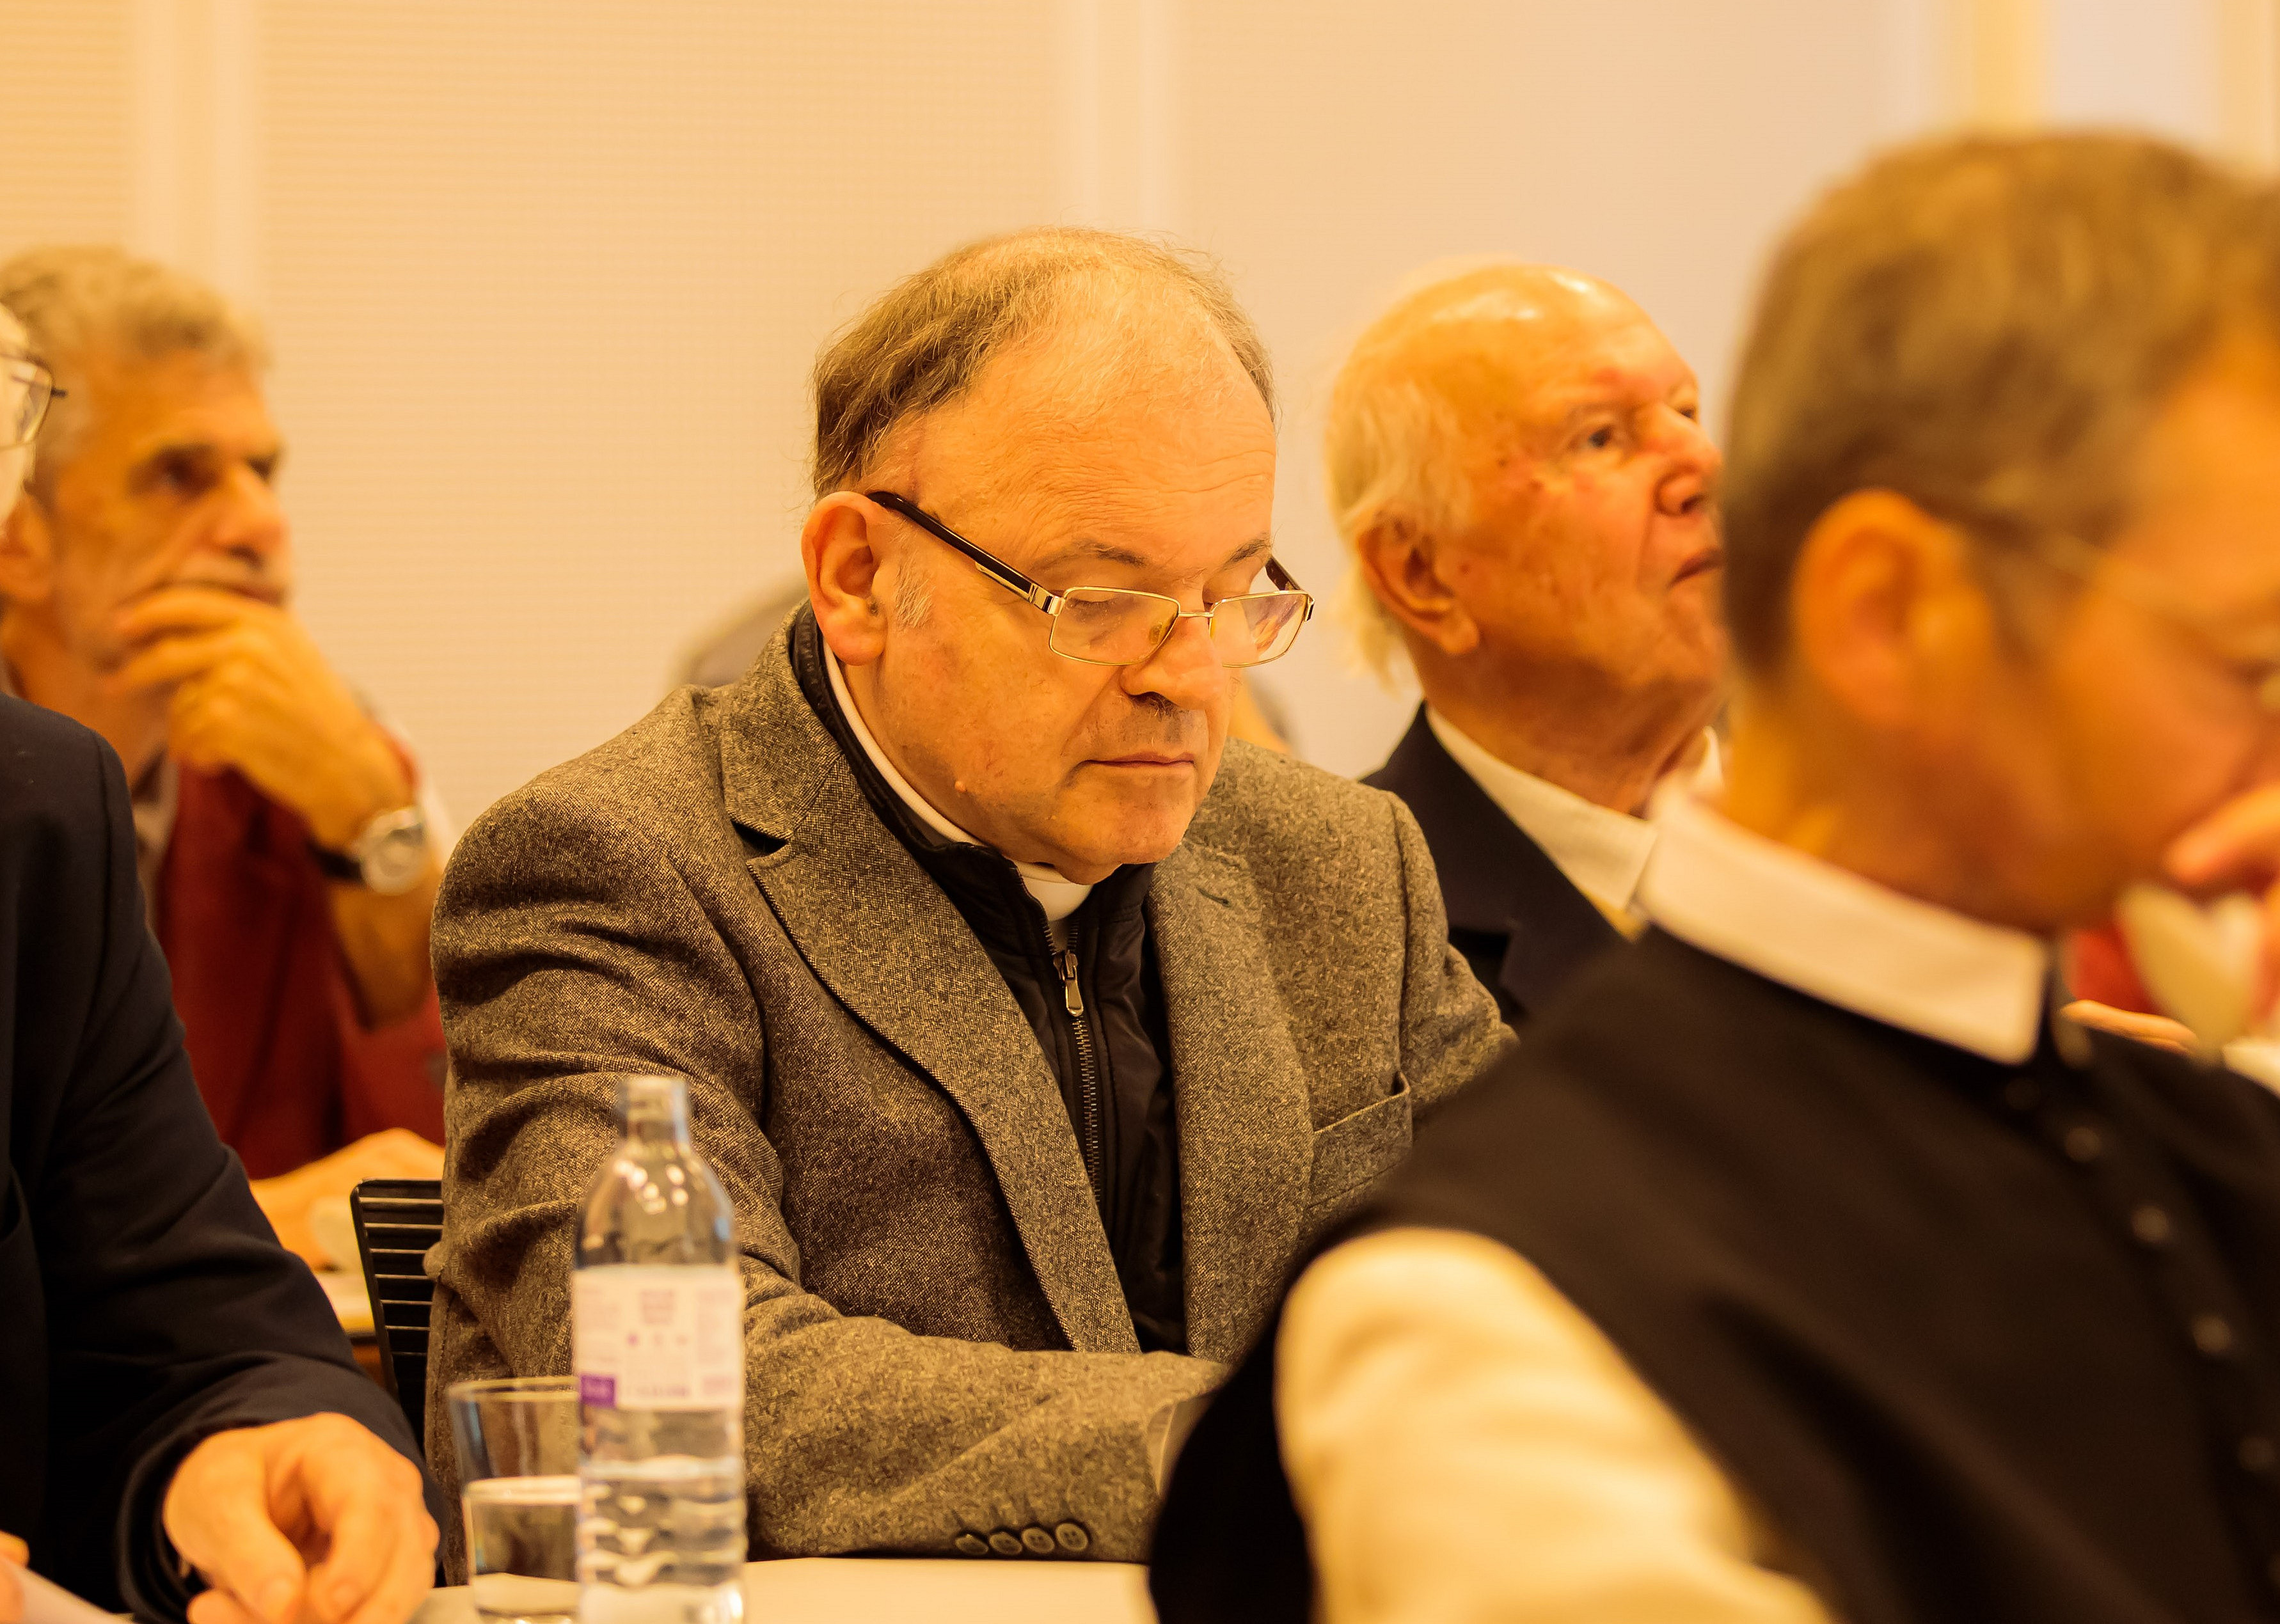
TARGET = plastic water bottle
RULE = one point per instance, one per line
(657, 1326)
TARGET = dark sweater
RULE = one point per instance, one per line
(1986, 1343)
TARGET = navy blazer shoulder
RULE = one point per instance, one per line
(144, 1301)
(1518, 920)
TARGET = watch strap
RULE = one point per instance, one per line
(337, 864)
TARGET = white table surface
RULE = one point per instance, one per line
(913, 1590)
(344, 1290)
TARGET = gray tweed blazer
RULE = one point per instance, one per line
(937, 1344)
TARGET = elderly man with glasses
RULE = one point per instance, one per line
(1033, 1026)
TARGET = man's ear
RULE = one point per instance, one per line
(1890, 618)
(27, 552)
(838, 550)
(1401, 563)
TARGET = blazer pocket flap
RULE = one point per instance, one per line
(1357, 1149)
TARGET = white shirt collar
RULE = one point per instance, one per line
(1847, 941)
(1600, 851)
(1057, 894)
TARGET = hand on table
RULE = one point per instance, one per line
(11, 1593)
(308, 1522)
(395, 1154)
(253, 691)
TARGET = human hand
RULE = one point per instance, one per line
(307, 1521)
(11, 1591)
(394, 1153)
(2158, 1030)
(250, 690)
(2237, 848)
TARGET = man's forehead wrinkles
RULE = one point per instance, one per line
(1089, 549)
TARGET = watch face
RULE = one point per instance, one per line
(393, 864)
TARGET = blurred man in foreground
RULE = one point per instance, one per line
(1518, 464)
(1032, 1026)
(1806, 1263)
(289, 866)
(174, 1387)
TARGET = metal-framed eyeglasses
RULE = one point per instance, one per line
(27, 388)
(1116, 625)
(2257, 670)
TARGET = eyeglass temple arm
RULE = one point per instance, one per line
(1004, 574)
(1285, 581)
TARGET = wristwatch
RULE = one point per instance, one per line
(388, 856)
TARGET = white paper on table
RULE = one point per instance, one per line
(46, 1602)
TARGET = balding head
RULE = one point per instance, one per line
(1092, 412)
(1482, 342)
(1113, 311)
(1516, 462)
(1432, 390)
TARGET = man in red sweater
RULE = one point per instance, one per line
(287, 860)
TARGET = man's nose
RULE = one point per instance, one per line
(1695, 461)
(1186, 670)
(249, 523)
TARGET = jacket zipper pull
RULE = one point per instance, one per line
(1072, 1000)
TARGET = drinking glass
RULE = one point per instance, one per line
(517, 1443)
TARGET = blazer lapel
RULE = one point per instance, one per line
(1245, 1114)
(1495, 880)
(891, 946)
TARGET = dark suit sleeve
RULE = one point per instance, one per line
(171, 1312)
(1450, 1027)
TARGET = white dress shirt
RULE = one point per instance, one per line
(1465, 1443)
(1600, 851)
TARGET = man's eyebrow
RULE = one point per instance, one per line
(1257, 547)
(193, 449)
(1584, 399)
(1089, 549)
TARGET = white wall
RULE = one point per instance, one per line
(1338, 145)
(545, 278)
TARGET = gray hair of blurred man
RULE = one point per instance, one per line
(923, 343)
(78, 302)
(1392, 450)
(1986, 326)
(16, 461)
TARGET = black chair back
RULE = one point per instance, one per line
(396, 1222)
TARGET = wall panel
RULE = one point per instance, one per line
(545, 283)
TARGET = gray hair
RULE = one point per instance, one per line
(1391, 451)
(16, 460)
(922, 344)
(1986, 326)
(77, 302)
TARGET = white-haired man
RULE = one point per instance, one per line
(1518, 464)
(1032, 1026)
(285, 860)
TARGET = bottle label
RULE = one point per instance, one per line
(647, 1337)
